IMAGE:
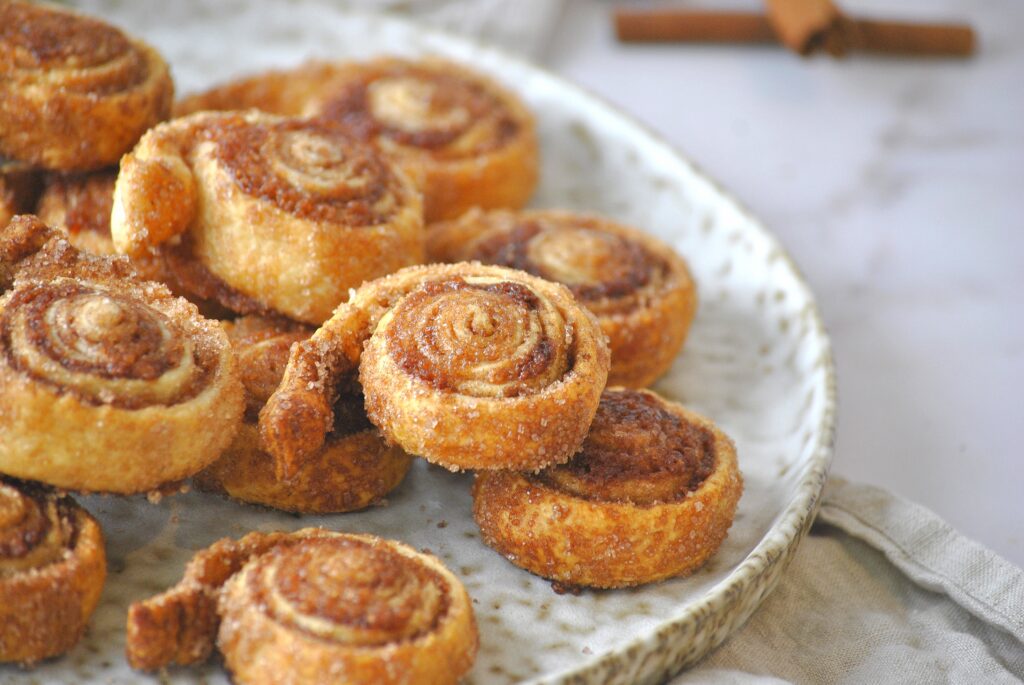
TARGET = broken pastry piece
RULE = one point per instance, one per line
(75, 93)
(650, 495)
(52, 568)
(467, 140)
(466, 365)
(265, 214)
(294, 607)
(355, 467)
(107, 383)
(638, 287)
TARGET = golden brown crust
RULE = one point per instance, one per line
(639, 289)
(106, 383)
(280, 215)
(75, 93)
(651, 495)
(52, 568)
(472, 142)
(355, 468)
(293, 607)
(466, 139)
(466, 365)
(80, 205)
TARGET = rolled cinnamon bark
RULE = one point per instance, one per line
(861, 35)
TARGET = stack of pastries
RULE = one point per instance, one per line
(285, 293)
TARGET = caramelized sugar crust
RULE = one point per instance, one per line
(650, 495)
(638, 287)
(52, 569)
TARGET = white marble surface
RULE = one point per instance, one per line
(898, 186)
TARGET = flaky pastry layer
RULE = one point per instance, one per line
(651, 495)
(466, 365)
(289, 214)
(467, 140)
(354, 469)
(107, 383)
(52, 569)
(291, 608)
(75, 93)
(638, 287)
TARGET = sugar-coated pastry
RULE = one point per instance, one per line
(75, 93)
(274, 215)
(107, 383)
(468, 140)
(466, 365)
(52, 568)
(297, 608)
(638, 287)
(650, 495)
(355, 468)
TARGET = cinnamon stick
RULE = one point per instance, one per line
(863, 35)
(807, 26)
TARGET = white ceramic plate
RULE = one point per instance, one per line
(757, 362)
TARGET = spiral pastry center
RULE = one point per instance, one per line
(104, 346)
(481, 337)
(415, 105)
(38, 39)
(30, 531)
(310, 170)
(423, 108)
(350, 591)
(636, 452)
(595, 265)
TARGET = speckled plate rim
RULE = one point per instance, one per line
(708, 621)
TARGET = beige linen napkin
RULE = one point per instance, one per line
(881, 591)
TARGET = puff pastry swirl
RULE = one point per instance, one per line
(466, 139)
(638, 287)
(291, 608)
(107, 383)
(52, 568)
(355, 468)
(75, 93)
(282, 215)
(466, 365)
(650, 495)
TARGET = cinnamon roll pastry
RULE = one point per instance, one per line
(355, 467)
(466, 139)
(75, 93)
(466, 365)
(638, 287)
(275, 215)
(470, 141)
(52, 568)
(650, 495)
(107, 383)
(301, 607)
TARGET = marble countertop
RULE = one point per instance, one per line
(898, 186)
